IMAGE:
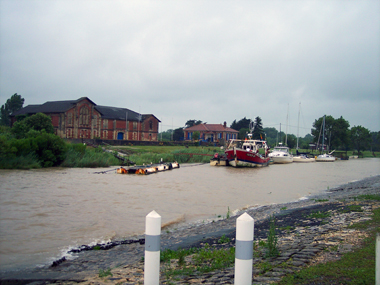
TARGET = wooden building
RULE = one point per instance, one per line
(211, 132)
(84, 119)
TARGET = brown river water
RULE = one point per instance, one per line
(45, 212)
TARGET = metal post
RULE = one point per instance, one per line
(378, 259)
(152, 249)
(244, 250)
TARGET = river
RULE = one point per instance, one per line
(45, 212)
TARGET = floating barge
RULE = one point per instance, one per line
(147, 169)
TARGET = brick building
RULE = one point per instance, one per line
(84, 119)
(211, 132)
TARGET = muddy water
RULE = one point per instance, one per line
(45, 212)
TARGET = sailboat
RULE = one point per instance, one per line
(326, 157)
(301, 157)
(281, 154)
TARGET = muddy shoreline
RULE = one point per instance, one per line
(89, 262)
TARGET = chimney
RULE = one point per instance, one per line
(225, 125)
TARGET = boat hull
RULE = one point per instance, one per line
(303, 159)
(325, 158)
(282, 159)
(242, 158)
(219, 162)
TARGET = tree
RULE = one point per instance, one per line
(13, 104)
(166, 135)
(292, 141)
(243, 123)
(243, 133)
(360, 138)
(258, 131)
(375, 144)
(341, 134)
(191, 123)
(196, 135)
(37, 122)
(178, 134)
(335, 134)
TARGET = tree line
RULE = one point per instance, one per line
(337, 134)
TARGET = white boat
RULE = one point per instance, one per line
(281, 154)
(303, 158)
(326, 157)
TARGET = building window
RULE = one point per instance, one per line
(150, 125)
(70, 119)
(83, 116)
(95, 121)
(105, 124)
(134, 125)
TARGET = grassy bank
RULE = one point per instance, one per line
(355, 267)
(153, 154)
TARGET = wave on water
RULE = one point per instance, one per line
(179, 220)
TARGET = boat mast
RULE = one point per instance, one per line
(323, 134)
(286, 136)
(298, 127)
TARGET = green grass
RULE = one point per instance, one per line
(203, 260)
(20, 162)
(153, 154)
(90, 157)
(105, 273)
(318, 215)
(355, 267)
(321, 200)
(369, 197)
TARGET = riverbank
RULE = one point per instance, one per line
(302, 238)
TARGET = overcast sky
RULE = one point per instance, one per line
(213, 61)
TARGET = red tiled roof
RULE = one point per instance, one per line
(210, 128)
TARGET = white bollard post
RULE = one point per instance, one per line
(152, 249)
(244, 250)
(377, 259)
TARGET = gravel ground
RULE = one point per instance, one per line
(125, 256)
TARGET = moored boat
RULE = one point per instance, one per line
(281, 154)
(303, 158)
(326, 157)
(245, 153)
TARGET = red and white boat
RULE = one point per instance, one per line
(245, 153)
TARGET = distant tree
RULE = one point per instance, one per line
(166, 135)
(178, 134)
(191, 123)
(13, 104)
(335, 134)
(360, 138)
(305, 141)
(243, 133)
(243, 123)
(375, 144)
(37, 122)
(258, 131)
(292, 141)
(340, 131)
